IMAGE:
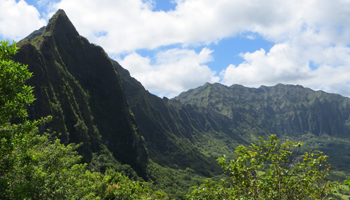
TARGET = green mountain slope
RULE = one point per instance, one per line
(76, 83)
(214, 118)
(319, 119)
(282, 109)
(174, 133)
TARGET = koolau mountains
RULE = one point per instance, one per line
(95, 101)
(283, 109)
(78, 85)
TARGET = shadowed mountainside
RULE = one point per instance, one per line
(76, 83)
(172, 131)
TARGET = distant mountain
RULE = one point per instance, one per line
(76, 83)
(210, 121)
(320, 120)
(286, 110)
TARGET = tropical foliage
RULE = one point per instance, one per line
(270, 170)
(34, 166)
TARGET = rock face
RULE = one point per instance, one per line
(76, 83)
(211, 120)
(286, 110)
(176, 134)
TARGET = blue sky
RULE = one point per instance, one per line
(173, 46)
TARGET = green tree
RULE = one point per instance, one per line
(34, 166)
(14, 97)
(270, 170)
(347, 182)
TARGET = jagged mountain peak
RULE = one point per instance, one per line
(59, 26)
(76, 82)
(60, 23)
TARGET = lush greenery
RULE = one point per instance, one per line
(232, 116)
(270, 170)
(176, 136)
(34, 166)
(319, 119)
(214, 119)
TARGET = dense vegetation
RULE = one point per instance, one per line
(34, 166)
(270, 170)
(172, 130)
(214, 119)
(319, 119)
(286, 110)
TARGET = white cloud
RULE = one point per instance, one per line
(289, 63)
(172, 72)
(133, 25)
(304, 31)
(270, 68)
(251, 37)
(18, 19)
(315, 31)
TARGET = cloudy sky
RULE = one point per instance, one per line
(171, 46)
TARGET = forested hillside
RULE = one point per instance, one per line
(215, 118)
(319, 119)
(174, 133)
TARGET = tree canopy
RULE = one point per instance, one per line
(270, 170)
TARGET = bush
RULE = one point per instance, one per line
(270, 170)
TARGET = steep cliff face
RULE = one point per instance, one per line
(285, 110)
(319, 119)
(210, 121)
(76, 83)
(179, 135)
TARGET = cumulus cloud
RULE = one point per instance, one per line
(304, 32)
(313, 31)
(286, 63)
(172, 71)
(133, 25)
(18, 19)
(259, 67)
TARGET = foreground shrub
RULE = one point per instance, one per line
(270, 170)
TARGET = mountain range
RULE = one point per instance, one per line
(95, 101)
